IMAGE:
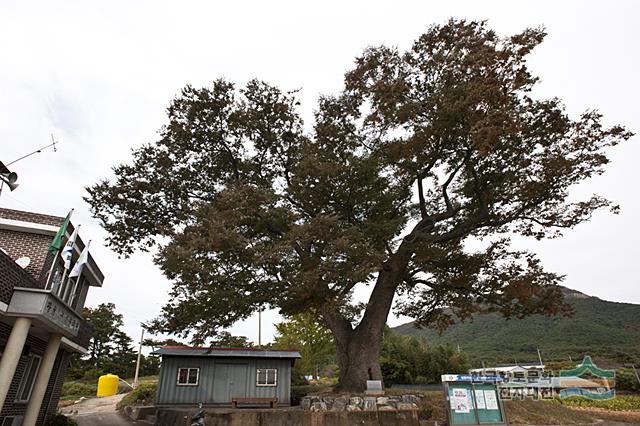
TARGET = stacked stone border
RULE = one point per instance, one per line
(317, 403)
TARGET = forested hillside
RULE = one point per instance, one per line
(606, 330)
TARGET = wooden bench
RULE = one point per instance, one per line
(273, 402)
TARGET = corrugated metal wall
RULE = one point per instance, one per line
(225, 370)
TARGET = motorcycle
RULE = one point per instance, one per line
(198, 419)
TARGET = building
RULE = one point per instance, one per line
(532, 381)
(214, 376)
(514, 373)
(41, 322)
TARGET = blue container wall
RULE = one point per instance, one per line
(220, 379)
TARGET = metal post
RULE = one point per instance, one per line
(135, 379)
(259, 328)
(635, 371)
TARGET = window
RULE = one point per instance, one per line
(188, 376)
(267, 377)
(28, 378)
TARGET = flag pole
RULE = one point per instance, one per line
(84, 257)
(67, 261)
(62, 288)
(57, 245)
(53, 264)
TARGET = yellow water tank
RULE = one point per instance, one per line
(107, 385)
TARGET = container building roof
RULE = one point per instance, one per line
(227, 352)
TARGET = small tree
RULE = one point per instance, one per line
(224, 339)
(311, 337)
(422, 152)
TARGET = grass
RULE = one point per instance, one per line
(144, 394)
(76, 390)
(545, 413)
(619, 403)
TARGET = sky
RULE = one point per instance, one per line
(99, 76)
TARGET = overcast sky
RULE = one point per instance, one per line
(99, 75)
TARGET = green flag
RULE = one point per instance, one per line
(56, 244)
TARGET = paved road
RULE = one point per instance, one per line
(103, 419)
(98, 412)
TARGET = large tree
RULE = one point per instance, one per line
(421, 153)
(106, 336)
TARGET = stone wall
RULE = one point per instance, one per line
(289, 417)
(360, 403)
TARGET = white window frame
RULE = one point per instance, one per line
(188, 374)
(25, 376)
(266, 376)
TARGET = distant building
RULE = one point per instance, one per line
(215, 376)
(513, 373)
(532, 381)
(40, 326)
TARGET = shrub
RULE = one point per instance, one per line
(144, 394)
(626, 380)
(74, 390)
(92, 374)
(60, 420)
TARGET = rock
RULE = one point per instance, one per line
(386, 408)
(355, 401)
(328, 400)
(305, 403)
(340, 403)
(353, 408)
(382, 400)
(412, 399)
(407, 406)
(369, 403)
(319, 406)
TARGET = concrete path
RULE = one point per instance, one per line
(97, 412)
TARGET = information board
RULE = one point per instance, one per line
(471, 401)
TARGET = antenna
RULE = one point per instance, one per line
(37, 151)
(10, 178)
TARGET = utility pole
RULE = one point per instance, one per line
(259, 329)
(539, 357)
(135, 379)
(635, 371)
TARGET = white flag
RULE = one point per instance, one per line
(77, 268)
(67, 252)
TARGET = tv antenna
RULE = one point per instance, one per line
(39, 150)
(8, 177)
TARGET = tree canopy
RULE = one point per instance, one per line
(110, 348)
(421, 152)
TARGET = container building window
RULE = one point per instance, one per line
(28, 378)
(267, 377)
(188, 376)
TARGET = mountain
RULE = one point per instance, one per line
(607, 330)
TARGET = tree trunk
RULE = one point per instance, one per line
(358, 350)
(358, 359)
